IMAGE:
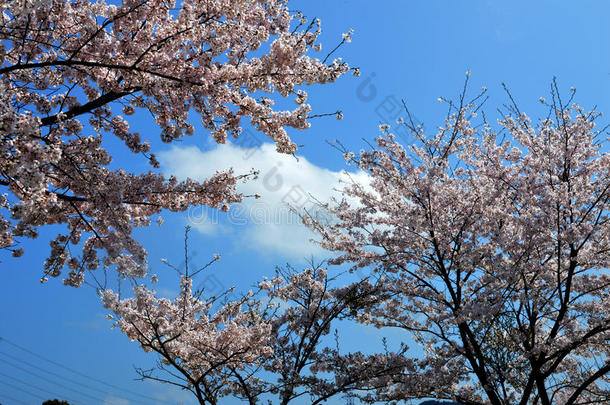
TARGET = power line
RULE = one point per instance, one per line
(3, 395)
(53, 382)
(22, 390)
(30, 385)
(60, 376)
(3, 339)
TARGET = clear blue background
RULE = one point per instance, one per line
(405, 49)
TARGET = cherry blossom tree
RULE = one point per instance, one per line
(272, 343)
(304, 361)
(66, 69)
(492, 248)
(201, 350)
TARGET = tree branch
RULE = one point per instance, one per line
(90, 106)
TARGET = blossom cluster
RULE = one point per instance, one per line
(492, 248)
(268, 343)
(203, 343)
(64, 67)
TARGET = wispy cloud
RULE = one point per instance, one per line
(112, 399)
(172, 395)
(99, 322)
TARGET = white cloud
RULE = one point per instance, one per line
(266, 225)
(112, 399)
(99, 322)
(171, 395)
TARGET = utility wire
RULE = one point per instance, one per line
(4, 396)
(22, 390)
(4, 340)
(52, 382)
(78, 383)
(30, 385)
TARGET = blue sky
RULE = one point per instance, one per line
(418, 51)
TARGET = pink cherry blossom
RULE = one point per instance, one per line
(200, 349)
(272, 343)
(491, 246)
(67, 68)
